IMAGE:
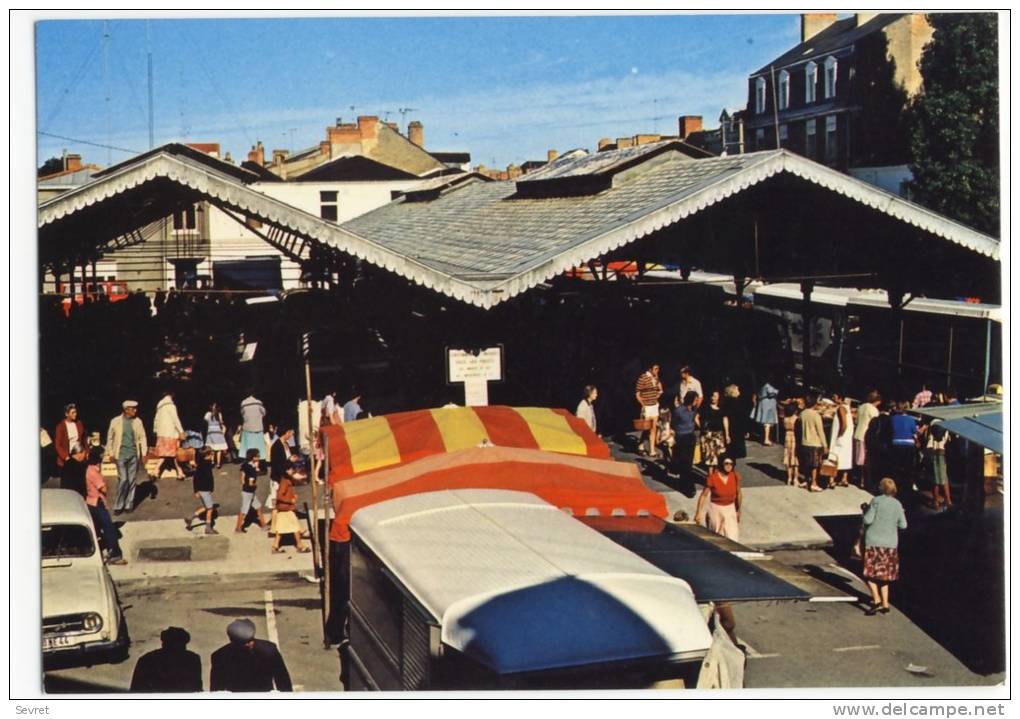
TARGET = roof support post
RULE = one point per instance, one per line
(807, 320)
(988, 354)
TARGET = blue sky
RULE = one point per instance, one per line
(505, 89)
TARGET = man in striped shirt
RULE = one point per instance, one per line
(647, 392)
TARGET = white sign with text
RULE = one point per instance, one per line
(475, 370)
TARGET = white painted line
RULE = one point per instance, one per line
(271, 619)
(753, 653)
(858, 648)
(833, 599)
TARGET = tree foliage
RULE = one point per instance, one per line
(54, 164)
(955, 121)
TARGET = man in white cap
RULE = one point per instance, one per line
(126, 445)
(248, 664)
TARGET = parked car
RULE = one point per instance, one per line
(81, 612)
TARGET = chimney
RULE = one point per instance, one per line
(416, 133)
(604, 143)
(551, 155)
(513, 172)
(812, 23)
(689, 124)
(369, 126)
(72, 163)
(279, 156)
(257, 154)
(622, 142)
(863, 17)
(324, 148)
(646, 139)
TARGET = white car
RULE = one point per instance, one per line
(81, 613)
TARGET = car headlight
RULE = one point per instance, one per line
(92, 622)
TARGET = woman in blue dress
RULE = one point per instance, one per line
(765, 411)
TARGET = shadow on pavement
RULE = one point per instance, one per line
(56, 684)
(952, 582)
(769, 470)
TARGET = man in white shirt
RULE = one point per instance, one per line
(689, 383)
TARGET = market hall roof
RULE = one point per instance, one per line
(486, 242)
(504, 238)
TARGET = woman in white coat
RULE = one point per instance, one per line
(841, 441)
(169, 433)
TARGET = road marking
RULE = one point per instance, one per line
(859, 648)
(753, 653)
(271, 619)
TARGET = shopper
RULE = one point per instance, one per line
(647, 391)
(127, 445)
(715, 431)
(96, 490)
(169, 433)
(202, 483)
(883, 519)
(586, 407)
(249, 485)
(765, 411)
(71, 452)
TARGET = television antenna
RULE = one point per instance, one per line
(403, 113)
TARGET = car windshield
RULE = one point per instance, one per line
(66, 540)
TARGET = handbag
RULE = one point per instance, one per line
(643, 424)
(829, 467)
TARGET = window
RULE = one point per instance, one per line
(784, 90)
(759, 138)
(328, 205)
(184, 220)
(830, 139)
(830, 77)
(759, 95)
(810, 82)
(784, 135)
(810, 139)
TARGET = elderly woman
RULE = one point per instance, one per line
(883, 519)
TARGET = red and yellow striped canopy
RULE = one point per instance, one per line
(378, 442)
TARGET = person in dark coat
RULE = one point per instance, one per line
(171, 668)
(248, 664)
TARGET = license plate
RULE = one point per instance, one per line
(55, 642)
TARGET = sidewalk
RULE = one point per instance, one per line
(774, 515)
(163, 549)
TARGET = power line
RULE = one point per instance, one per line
(87, 142)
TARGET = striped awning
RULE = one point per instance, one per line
(377, 442)
(582, 486)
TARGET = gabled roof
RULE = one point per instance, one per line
(480, 242)
(456, 157)
(354, 168)
(840, 34)
(487, 236)
(180, 150)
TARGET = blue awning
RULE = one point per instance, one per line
(984, 429)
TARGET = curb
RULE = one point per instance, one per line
(136, 583)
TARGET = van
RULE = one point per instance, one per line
(498, 589)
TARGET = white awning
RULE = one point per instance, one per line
(520, 586)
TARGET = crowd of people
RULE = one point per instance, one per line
(259, 446)
(878, 445)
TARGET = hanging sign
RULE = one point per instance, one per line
(475, 368)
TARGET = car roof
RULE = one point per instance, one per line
(64, 506)
(521, 586)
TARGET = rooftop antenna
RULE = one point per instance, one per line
(403, 113)
(386, 115)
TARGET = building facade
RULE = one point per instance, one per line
(839, 96)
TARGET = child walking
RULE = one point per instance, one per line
(249, 483)
(203, 486)
(286, 520)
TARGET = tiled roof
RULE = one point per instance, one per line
(838, 35)
(355, 168)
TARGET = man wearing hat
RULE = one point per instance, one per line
(248, 664)
(69, 443)
(127, 445)
(171, 668)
